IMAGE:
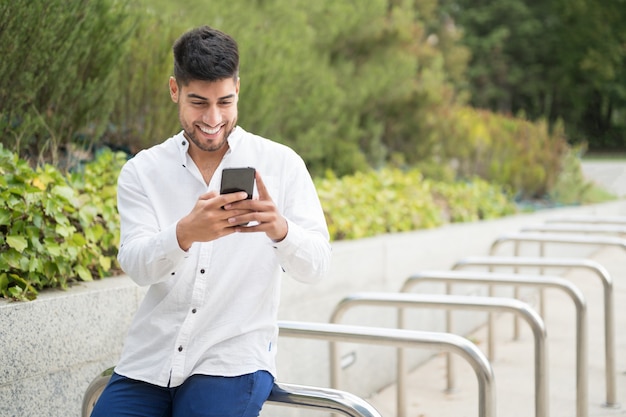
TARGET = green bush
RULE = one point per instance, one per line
(526, 158)
(472, 200)
(572, 187)
(145, 114)
(55, 229)
(391, 200)
(58, 72)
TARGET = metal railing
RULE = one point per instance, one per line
(291, 395)
(407, 339)
(571, 263)
(458, 277)
(400, 300)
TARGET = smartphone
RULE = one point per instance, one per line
(238, 179)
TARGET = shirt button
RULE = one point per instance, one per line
(194, 311)
(180, 348)
(202, 271)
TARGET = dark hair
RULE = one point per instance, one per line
(205, 54)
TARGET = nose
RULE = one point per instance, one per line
(212, 116)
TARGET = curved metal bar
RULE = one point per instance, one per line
(281, 394)
(593, 219)
(400, 300)
(405, 338)
(321, 399)
(609, 310)
(577, 228)
(558, 238)
(457, 277)
(93, 391)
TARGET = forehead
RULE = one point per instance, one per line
(210, 90)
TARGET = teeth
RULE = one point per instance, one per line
(210, 131)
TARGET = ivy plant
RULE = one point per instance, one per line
(55, 228)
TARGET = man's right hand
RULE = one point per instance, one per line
(207, 220)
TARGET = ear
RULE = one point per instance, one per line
(174, 89)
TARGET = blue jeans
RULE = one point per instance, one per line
(198, 396)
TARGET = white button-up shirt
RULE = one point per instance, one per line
(211, 310)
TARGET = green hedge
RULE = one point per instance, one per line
(55, 228)
(392, 200)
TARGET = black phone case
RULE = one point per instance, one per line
(238, 179)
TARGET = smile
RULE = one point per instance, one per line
(209, 131)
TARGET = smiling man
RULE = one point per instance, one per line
(203, 341)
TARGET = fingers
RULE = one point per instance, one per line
(207, 220)
(223, 200)
(261, 212)
(208, 196)
(262, 189)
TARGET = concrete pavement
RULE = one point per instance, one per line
(610, 174)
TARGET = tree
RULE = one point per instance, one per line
(554, 59)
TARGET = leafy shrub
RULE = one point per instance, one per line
(54, 229)
(58, 67)
(472, 200)
(525, 157)
(572, 187)
(391, 200)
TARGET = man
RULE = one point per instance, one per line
(203, 341)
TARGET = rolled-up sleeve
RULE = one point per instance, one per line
(304, 255)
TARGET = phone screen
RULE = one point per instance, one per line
(238, 179)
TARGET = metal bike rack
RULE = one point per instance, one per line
(458, 277)
(405, 338)
(587, 264)
(400, 300)
(282, 394)
(594, 219)
(543, 238)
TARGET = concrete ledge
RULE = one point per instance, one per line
(54, 346)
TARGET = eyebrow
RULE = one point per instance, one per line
(199, 97)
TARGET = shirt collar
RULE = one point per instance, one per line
(234, 139)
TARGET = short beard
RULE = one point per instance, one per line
(203, 147)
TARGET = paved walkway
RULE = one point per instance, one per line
(609, 174)
(513, 364)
